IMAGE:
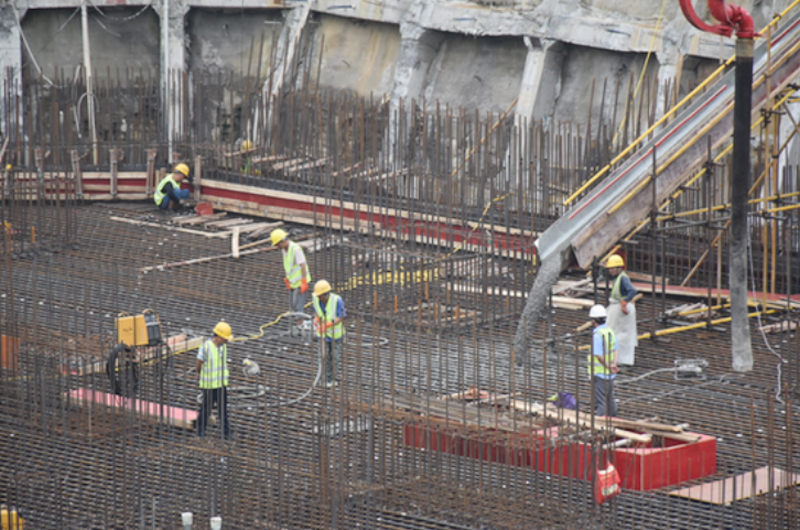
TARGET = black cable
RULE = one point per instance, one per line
(123, 371)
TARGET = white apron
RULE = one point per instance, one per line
(624, 327)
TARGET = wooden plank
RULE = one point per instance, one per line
(575, 417)
(171, 228)
(287, 163)
(786, 325)
(308, 165)
(120, 188)
(227, 223)
(564, 302)
(121, 196)
(259, 227)
(739, 487)
(177, 416)
(197, 219)
(122, 175)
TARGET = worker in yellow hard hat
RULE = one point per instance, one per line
(329, 323)
(622, 310)
(168, 192)
(247, 163)
(297, 274)
(212, 375)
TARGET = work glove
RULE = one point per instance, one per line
(303, 286)
(326, 326)
(624, 305)
(317, 324)
(288, 283)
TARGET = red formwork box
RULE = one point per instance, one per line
(641, 468)
(434, 437)
(648, 468)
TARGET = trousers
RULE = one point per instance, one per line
(181, 194)
(210, 397)
(604, 402)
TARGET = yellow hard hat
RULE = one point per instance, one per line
(322, 287)
(278, 235)
(182, 168)
(247, 145)
(9, 167)
(223, 329)
(615, 261)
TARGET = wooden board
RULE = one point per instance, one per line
(197, 219)
(736, 488)
(171, 228)
(227, 223)
(577, 418)
(179, 417)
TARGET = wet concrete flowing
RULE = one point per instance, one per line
(536, 304)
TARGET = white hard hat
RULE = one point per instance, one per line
(597, 311)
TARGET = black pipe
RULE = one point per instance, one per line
(741, 348)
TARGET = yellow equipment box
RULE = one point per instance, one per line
(139, 330)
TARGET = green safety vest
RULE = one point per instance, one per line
(214, 373)
(336, 332)
(615, 294)
(159, 195)
(294, 273)
(609, 340)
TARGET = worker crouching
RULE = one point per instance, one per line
(329, 323)
(603, 363)
(212, 374)
(168, 193)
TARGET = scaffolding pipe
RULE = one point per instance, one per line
(87, 66)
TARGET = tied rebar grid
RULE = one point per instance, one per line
(339, 458)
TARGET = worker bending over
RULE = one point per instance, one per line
(168, 192)
(297, 274)
(330, 315)
(212, 374)
(622, 310)
(603, 363)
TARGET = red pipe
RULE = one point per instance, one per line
(733, 18)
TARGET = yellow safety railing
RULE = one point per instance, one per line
(702, 86)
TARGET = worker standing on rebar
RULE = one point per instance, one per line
(297, 274)
(603, 363)
(212, 374)
(622, 310)
(329, 323)
(168, 192)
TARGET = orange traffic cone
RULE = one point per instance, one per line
(607, 484)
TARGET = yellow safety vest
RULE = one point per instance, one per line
(214, 373)
(294, 272)
(329, 315)
(609, 341)
(615, 294)
(159, 195)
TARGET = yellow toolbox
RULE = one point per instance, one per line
(139, 330)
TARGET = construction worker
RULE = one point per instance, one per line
(212, 375)
(328, 322)
(168, 192)
(247, 164)
(603, 363)
(297, 274)
(622, 310)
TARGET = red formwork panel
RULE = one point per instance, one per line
(648, 468)
(641, 468)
